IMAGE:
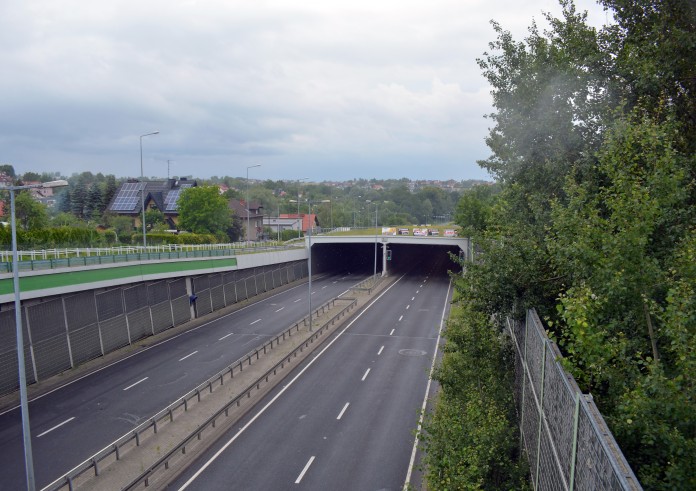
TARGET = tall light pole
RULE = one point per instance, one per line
(142, 183)
(309, 253)
(23, 399)
(299, 227)
(247, 203)
(374, 274)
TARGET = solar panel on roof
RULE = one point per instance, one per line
(128, 197)
(170, 201)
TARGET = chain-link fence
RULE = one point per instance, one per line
(566, 440)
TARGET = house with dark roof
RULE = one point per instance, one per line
(252, 219)
(158, 195)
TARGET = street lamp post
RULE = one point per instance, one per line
(299, 222)
(309, 253)
(23, 399)
(374, 274)
(142, 183)
(247, 203)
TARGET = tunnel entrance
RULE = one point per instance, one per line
(360, 257)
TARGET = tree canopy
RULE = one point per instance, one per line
(593, 140)
(203, 210)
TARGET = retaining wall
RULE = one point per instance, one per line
(63, 331)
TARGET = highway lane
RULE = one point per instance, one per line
(345, 419)
(79, 419)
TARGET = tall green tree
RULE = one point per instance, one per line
(593, 142)
(203, 210)
(30, 214)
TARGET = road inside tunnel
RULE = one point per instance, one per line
(360, 257)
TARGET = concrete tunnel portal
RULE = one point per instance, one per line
(359, 257)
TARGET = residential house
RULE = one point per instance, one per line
(158, 195)
(252, 218)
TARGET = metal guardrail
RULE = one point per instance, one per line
(113, 450)
(256, 385)
(368, 284)
(41, 260)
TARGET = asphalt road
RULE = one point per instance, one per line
(345, 419)
(74, 422)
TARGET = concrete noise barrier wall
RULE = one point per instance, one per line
(65, 331)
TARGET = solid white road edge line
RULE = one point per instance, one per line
(281, 392)
(427, 390)
(309, 462)
(55, 427)
(141, 380)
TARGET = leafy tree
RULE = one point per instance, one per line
(474, 209)
(31, 176)
(203, 210)
(30, 214)
(63, 219)
(593, 142)
(7, 169)
(154, 218)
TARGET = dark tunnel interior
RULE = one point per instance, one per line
(360, 258)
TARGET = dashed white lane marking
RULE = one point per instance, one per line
(392, 332)
(55, 427)
(141, 380)
(324, 286)
(226, 336)
(401, 318)
(257, 320)
(306, 467)
(280, 309)
(340, 415)
(257, 415)
(413, 298)
(365, 376)
(190, 354)
(407, 307)
(335, 282)
(298, 300)
(417, 292)
(380, 351)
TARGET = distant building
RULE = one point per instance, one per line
(159, 195)
(293, 221)
(252, 219)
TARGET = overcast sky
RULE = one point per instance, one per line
(324, 89)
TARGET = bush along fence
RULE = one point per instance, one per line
(567, 442)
